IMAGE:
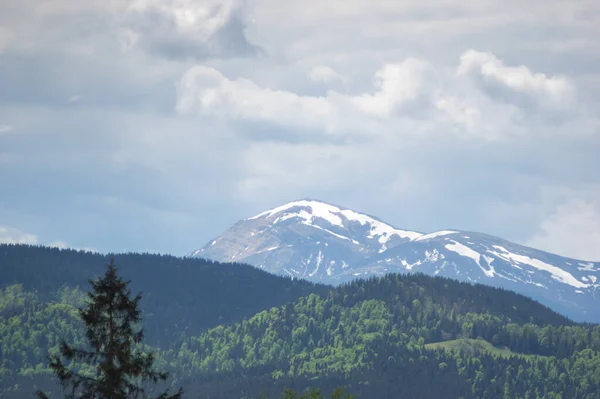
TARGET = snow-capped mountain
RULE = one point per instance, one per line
(330, 244)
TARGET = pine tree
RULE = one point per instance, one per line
(111, 318)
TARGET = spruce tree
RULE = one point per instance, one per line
(111, 318)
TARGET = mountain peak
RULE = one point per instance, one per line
(314, 212)
(318, 207)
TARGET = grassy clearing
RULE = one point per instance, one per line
(476, 346)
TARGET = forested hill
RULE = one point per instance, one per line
(393, 337)
(179, 294)
(401, 337)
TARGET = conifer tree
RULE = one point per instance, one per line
(111, 318)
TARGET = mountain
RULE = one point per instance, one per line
(313, 240)
(306, 239)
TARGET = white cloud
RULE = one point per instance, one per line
(325, 74)
(5, 129)
(58, 244)
(486, 65)
(74, 99)
(10, 235)
(63, 245)
(572, 230)
(408, 97)
(206, 90)
(396, 84)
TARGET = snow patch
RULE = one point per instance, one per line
(488, 259)
(436, 234)
(469, 253)
(377, 228)
(266, 250)
(588, 267)
(332, 233)
(463, 251)
(556, 272)
(318, 264)
(430, 257)
(318, 209)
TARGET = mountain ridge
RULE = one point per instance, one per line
(327, 243)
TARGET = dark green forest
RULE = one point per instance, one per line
(233, 331)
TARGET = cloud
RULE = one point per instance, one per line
(408, 97)
(10, 235)
(490, 69)
(206, 90)
(573, 229)
(324, 74)
(5, 129)
(170, 29)
(63, 245)
(396, 85)
(187, 29)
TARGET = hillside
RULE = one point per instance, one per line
(390, 337)
(327, 243)
(180, 294)
(375, 337)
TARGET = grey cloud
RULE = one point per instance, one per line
(157, 31)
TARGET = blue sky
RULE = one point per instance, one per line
(153, 125)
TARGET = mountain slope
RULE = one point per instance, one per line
(372, 335)
(317, 241)
(178, 294)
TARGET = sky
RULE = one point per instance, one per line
(154, 125)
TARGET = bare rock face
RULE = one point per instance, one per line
(330, 244)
